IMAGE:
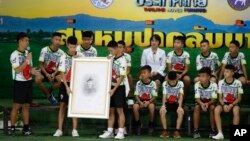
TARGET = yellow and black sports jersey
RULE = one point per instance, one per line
(145, 91)
(205, 94)
(212, 61)
(230, 91)
(119, 69)
(178, 62)
(50, 58)
(172, 91)
(17, 58)
(90, 52)
(237, 61)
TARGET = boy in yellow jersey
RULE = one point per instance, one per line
(21, 62)
(64, 91)
(205, 99)
(230, 94)
(86, 47)
(178, 60)
(117, 92)
(48, 64)
(172, 102)
(238, 60)
(145, 95)
(209, 59)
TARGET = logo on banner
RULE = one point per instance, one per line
(173, 6)
(239, 4)
(102, 3)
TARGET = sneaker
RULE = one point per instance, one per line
(52, 100)
(107, 135)
(138, 130)
(164, 134)
(196, 134)
(12, 132)
(120, 136)
(177, 134)
(219, 136)
(75, 133)
(27, 132)
(212, 133)
(58, 133)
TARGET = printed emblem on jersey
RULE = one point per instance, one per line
(27, 72)
(145, 97)
(68, 75)
(205, 95)
(230, 98)
(172, 99)
(51, 67)
(114, 76)
(178, 66)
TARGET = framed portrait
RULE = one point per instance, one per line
(90, 84)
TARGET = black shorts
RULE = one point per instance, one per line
(46, 78)
(158, 77)
(22, 92)
(118, 100)
(226, 103)
(172, 107)
(237, 75)
(205, 102)
(63, 96)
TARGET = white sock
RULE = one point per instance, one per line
(121, 130)
(110, 130)
(220, 133)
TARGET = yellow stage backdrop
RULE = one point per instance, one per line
(135, 21)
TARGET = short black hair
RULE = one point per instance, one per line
(20, 36)
(235, 42)
(56, 34)
(146, 67)
(112, 44)
(87, 34)
(206, 70)
(72, 40)
(230, 67)
(121, 42)
(156, 37)
(204, 41)
(172, 75)
(180, 38)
